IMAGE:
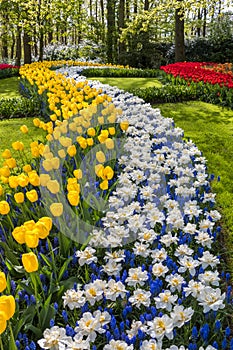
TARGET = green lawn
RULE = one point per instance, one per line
(9, 87)
(130, 83)
(10, 132)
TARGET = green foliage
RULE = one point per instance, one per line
(124, 72)
(9, 72)
(18, 108)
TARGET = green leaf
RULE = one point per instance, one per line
(63, 268)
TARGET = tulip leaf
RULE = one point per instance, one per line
(63, 268)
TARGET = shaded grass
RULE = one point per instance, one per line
(10, 132)
(210, 127)
(130, 83)
(9, 87)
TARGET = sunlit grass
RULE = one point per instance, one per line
(130, 83)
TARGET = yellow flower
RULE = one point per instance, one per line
(10, 162)
(6, 154)
(78, 174)
(71, 150)
(32, 238)
(124, 125)
(19, 197)
(56, 209)
(18, 146)
(44, 178)
(24, 129)
(27, 168)
(2, 322)
(91, 132)
(90, 141)
(100, 157)
(2, 281)
(61, 153)
(4, 207)
(5, 171)
(55, 163)
(23, 180)
(73, 198)
(73, 185)
(108, 173)
(19, 234)
(98, 169)
(112, 130)
(29, 225)
(65, 141)
(104, 185)
(1, 190)
(32, 196)
(36, 122)
(47, 221)
(34, 178)
(7, 305)
(109, 143)
(30, 262)
(53, 186)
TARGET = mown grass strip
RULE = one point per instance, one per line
(9, 87)
(130, 83)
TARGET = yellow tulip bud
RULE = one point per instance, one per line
(109, 143)
(47, 221)
(90, 141)
(32, 238)
(30, 262)
(3, 322)
(5, 171)
(78, 173)
(44, 178)
(56, 209)
(108, 173)
(10, 162)
(100, 157)
(24, 129)
(4, 207)
(27, 168)
(91, 132)
(7, 305)
(104, 185)
(112, 130)
(34, 178)
(6, 154)
(53, 186)
(73, 198)
(23, 180)
(13, 181)
(2, 281)
(19, 234)
(32, 196)
(98, 169)
(71, 150)
(124, 125)
(18, 146)
(19, 197)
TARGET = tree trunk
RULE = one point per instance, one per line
(110, 30)
(18, 47)
(13, 46)
(27, 48)
(135, 7)
(179, 36)
(41, 45)
(121, 24)
(204, 22)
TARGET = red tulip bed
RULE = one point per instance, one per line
(213, 82)
(8, 70)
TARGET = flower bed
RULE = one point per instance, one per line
(115, 223)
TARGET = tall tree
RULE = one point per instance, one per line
(179, 34)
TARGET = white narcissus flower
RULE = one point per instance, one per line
(188, 263)
(89, 325)
(165, 300)
(175, 282)
(140, 297)
(93, 292)
(160, 327)
(86, 256)
(114, 290)
(78, 343)
(118, 345)
(180, 315)
(151, 344)
(54, 338)
(159, 270)
(208, 259)
(194, 288)
(211, 299)
(74, 298)
(136, 276)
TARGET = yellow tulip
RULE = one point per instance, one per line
(124, 125)
(100, 157)
(23, 180)
(53, 186)
(44, 178)
(108, 173)
(1, 190)
(19, 234)
(78, 174)
(98, 169)
(27, 168)
(71, 150)
(29, 225)
(56, 209)
(32, 196)
(24, 129)
(2, 322)
(91, 132)
(112, 130)
(18, 146)
(6, 154)
(19, 197)
(7, 305)
(73, 198)
(32, 238)
(90, 141)
(2, 281)
(4, 207)
(10, 162)
(30, 262)
(47, 221)
(109, 143)
(104, 185)
(5, 171)
(34, 178)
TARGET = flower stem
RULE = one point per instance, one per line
(1, 344)
(13, 346)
